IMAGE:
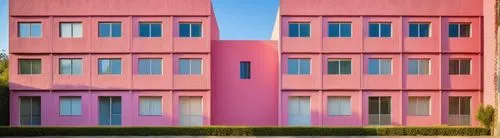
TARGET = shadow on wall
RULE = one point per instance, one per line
(4, 105)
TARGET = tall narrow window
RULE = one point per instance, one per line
(459, 111)
(299, 29)
(419, 105)
(379, 110)
(245, 70)
(70, 105)
(110, 66)
(150, 105)
(339, 29)
(150, 66)
(339, 66)
(29, 30)
(30, 66)
(419, 66)
(379, 66)
(110, 29)
(70, 66)
(30, 110)
(459, 66)
(190, 29)
(70, 30)
(419, 29)
(110, 110)
(299, 66)
(339, 105)
(459, 30)
(380, 29)
(190, 66)
(150, 30)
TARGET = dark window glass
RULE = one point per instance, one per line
(453, 30)
(190, 30)
(345, 30)
(245, 70)
(150, 29)
(305, 30)
(333, 30)
(459, 30)
(424, 30)
(109, 66)
(374, 30)
(459, 66)
(116, 30)
(144, 30)
(30, 66)
(196, 30)
(104, 30)
(333, 67)
(385, 30)
(156, 30)
(293, 30)
(414, 30)
(464, 30)
(184, 30)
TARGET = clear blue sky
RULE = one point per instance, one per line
(237, 19)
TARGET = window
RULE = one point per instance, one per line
(380, 29)
(245, 70)
(150, 105)
(150, 29)
(419, 29)
(189, 66)
(459, 111)
(29, 110)
(70, 30)
(70, 106)
(190, 29)
(110, 66)
(339, 29)
(30, 30)
(110, 29)
(459, 66)
(150, 66)
(419, 66)
(459, 30)
(30, 66)
(110, 110)
(339, 105)
(419, 106)
(70, 66)
(299, 66)
(379, 66)
(299, 29)
(379, 110)
(339, 66)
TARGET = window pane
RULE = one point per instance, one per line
(414, 30)
(36, 66)
(453, 67)
(304, 66)
(144, 104)
(36, 30)
(345, 30)
(386, 66)
(65, 66)
(293, 30)
(76, 67)
(104, 110)
(424, 30)
(345, 67)
(144, 66)
(244, 70)
(196, 66)
(373, 66)
(24, 30)
(24, 66)
(196, 30)
(464, 105)
(184, 30)
(424, 106)
(385, 30)
(116, 66)
(104, 29)
(104, 66)
(373, 105)
(412, 106)
(65, 30)
(413, 66)
(374, 30)
(304, 30)
(465, 30)
(184, 65)
(155, 103)
(65, 106)
(385, 105)
(25, 110)
(77, 30)
(453, 30)
(453, 107)
(293, 66)
(424, 67)
(465, 67)
(144, 30)
(116, 29)
(156, 66)
(156, 30)
(333, 67)
(333, 30)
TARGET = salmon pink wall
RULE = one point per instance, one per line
(30, 45)
(68, 82)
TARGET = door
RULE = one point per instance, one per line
(459, 111)
(299, 111)
(379, 110)
(110, 111)
(29, 111)
(191, 111)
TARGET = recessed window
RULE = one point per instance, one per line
(419, 66)
(30, 30)
(110, 29)
(70, 105)
(30, 110)
(299, 29)
(379, 110)
(150, 30)
(150, 105)
(30, 66)
(110, 66)
(245, 70)
(419, 105)
(339, 105)
(70, 66)
(339, 66)
(150, 66)
(419, 29)
(459, 30)
(189, 66)
(190, 29)
(299, 66)
(70, 30)
(339, 29)
(379, 66)
(459, 66)
(380, 29)
(459, 110)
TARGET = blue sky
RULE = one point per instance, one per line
(237, 19)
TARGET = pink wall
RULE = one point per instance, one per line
(242, 102)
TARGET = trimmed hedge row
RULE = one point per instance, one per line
(243, 131)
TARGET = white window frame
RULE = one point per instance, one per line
(459, 26)
(298, 29)
(380, 29)
(110, 29)
(30, 34)
(380, 66)
(191, 67)
(419, 100)
(110, 66)
(150, 67)
(340, 29)
(149, 25)
(72, 29)
(339, 60)
(31, 66)
(460, 66)
(149, 100)
(71, 59)
(191, 29)
(338, 109)
(71, 99)
(298, 66)
(419, 60)
(418, 29)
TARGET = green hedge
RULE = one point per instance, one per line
(242, 131)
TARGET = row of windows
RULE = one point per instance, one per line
(377, 66)
(108, 29)
(384, 29)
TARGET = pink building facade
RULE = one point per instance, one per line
(329, 63)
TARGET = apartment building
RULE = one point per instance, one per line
(329, 63)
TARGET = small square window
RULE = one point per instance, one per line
(419, 105)
(299, 29)
(459, 66)
(70, 66)
(150, 105)
(30, 66)
(419, 66)
(70, 30)
(188, 66)
(339, 29)
(109, 29)
(110, 66)
(459, 30)
(150, 30)
(190, 29)
(380, 29)
(419, 29)
(70, 105)
(379, 66)
(339, 106)
(30, 30)
(150, 66)
(339, 66)
(299, 66)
